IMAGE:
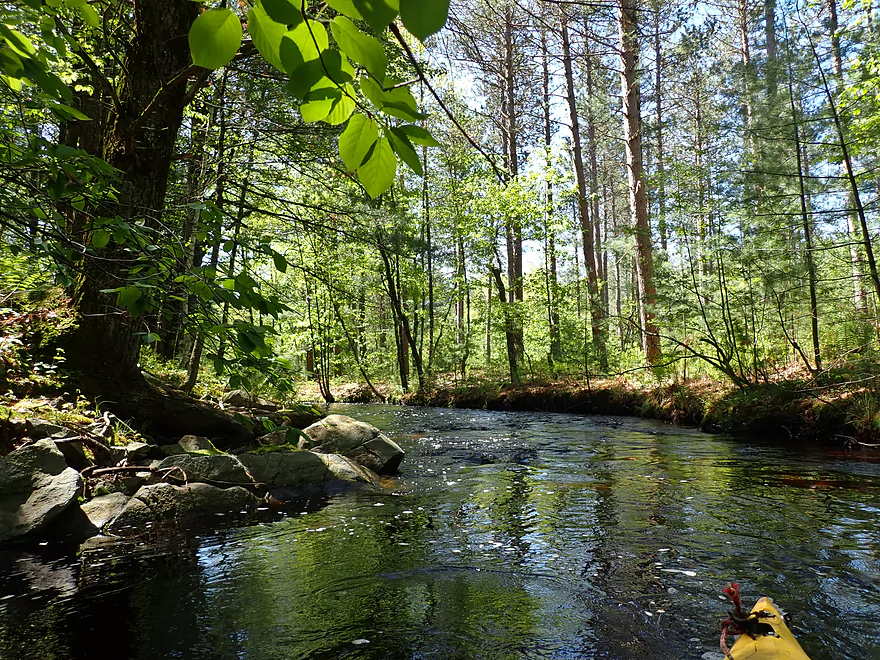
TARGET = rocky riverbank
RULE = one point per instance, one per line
(58, 481)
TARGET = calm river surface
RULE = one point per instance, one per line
(507, 535)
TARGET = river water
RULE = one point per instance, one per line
(506, 535)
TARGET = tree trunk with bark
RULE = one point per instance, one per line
(638, 201)
(135, 122)
(135, 135)
(597, 314)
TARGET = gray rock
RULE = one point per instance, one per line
(40, 428)
(362, 442)
(35, 487)
(242, 399)
(301, 469)
(197, 443)
(172, 450)
(101, 510)
(74, 454)
(132, 483)
(135, 453)
(381, 455)
(164, 501)
(276, 438)
(133, 517)
(105, 487)
(345, 469)
(222, 468)
(337, 434)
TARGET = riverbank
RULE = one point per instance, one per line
(784, 412)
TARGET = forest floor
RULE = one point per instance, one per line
(795, 410)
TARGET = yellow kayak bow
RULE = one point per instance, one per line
(763, 633)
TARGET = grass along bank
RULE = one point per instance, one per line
(838, 414)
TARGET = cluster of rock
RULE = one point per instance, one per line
(42, 484)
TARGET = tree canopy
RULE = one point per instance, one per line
(415, 192)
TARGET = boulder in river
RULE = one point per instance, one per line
(104, 508)
(36, 485)
(343, 468)
(276, 469)
(223, 469)
(362, 442)
(164, 501)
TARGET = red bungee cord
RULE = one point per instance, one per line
(737, 619)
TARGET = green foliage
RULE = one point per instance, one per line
(424, 17)
(214, 38)
(377, 173)
(362, 48)
(321, 76)
(29, 362)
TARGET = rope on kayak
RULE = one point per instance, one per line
(738, 621)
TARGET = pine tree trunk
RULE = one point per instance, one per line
(554, 356)
(658, 111)
(638, 201)
(597, 314)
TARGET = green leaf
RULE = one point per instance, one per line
(360, 47)
(319, 102)
(377, 13)
(283, 11)
(356, 140)
(100, 238)
(377, 174)
(244, 343)
(343, 107)
(424, 17)
(128, 295)
(202, 290)
(46, 80)
(373, 91)
(214, 38)
(404, 148)
(300, 51)
(336, 67)
(266, 35)
(244, 282)
(17, 41)
(90, 16)
(399, 102)
(419, 135)
(11, 63)
(280, 262)
(292, 436)
(346, 7)
(151, 338)
(67, 113)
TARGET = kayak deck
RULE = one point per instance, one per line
(776, 642)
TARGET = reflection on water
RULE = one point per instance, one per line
(507, 535)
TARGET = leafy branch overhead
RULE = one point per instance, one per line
(334, 80)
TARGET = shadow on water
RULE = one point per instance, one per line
(507, 535)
